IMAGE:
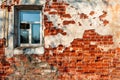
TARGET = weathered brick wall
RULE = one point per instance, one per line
(81, 39)
(84, 59)
(5, 69)
(2, 46)
(92, 57)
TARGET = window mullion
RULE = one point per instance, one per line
(30, 34)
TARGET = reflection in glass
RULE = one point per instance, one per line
(36, 33)
(24, 36)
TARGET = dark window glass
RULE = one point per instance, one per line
(24, 26)
(24, 36)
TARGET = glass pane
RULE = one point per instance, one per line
(30, 16)
(24, 36)
(24, 26)
(36, 33)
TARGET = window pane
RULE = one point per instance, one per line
(24, 36)
(36, 33)
(30, 16)
(24, 26)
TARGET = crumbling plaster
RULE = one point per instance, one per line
(74, 30)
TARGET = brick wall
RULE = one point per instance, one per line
(5, 69)
(2, 47)
(84, 59)
(94, 56)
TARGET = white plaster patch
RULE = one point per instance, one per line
(9, 52)
(106, 47)
(55, 19)
(53, 10)
(39, 50)
(93, 43)
(17, 51)
(103, 30)
(50, 52)
(72, 33)
(71, 48)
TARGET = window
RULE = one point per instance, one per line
(28, 26)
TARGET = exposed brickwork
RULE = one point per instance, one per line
(83, 58)
(59, 7)
(68, 22)
(60, 10)
(53, 31)
(11, 3)
(31, 67)
(5, 69)
(2, 46)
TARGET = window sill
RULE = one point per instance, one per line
(29, 46)
(29, 50)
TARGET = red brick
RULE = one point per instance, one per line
(68, 22)
(55, 3)
(105, 22)
(53, 12)
(83, 16)
(61, 13)
(47, 9)
(46, 32)
(103, 15)
(79, 24)
(61, 6)
(45, 18)
(48, 24)
(54, 0)
(92, 13)
(64, 33)
(66, 15)
(54, 6)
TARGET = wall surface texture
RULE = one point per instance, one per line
(81, 42)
